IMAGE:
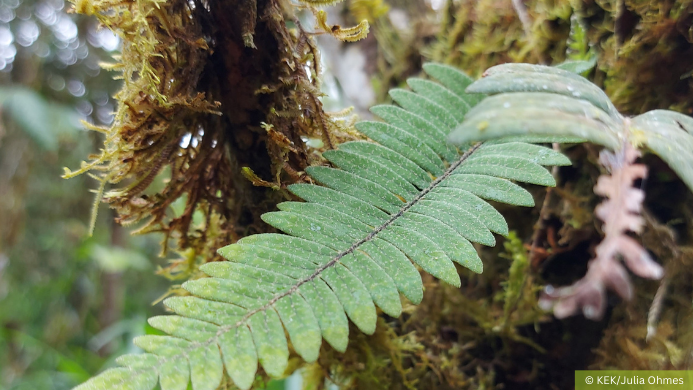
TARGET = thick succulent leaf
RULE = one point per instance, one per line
(541, 101)
(506, 119)
(385, 209)
(673, 118)
(539, 78)
(669, 135)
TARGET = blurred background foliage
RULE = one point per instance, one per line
(69, 303)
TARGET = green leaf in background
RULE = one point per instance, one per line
(115, 259)
(578, 67)
(42, 120)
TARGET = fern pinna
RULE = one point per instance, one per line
(408, 199)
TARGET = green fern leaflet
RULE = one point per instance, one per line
(408, 199)
(541, 100)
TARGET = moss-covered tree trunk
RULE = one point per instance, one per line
(217, 97)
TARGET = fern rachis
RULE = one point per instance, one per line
(409, 198)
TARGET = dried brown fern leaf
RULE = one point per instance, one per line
(621, 215)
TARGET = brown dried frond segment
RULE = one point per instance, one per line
(621, 214)
(210, 87)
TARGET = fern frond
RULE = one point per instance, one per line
(539, 100)
(542, 100)
(408, 199)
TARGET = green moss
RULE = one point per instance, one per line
(634, 43)
(480, 34)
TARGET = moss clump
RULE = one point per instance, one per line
(210, 99)
(637, 39)
(476, 35)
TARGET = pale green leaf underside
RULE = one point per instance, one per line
(534, 100)
(578, 67)
(410, 199)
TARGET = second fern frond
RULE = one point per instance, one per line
(541, 100)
